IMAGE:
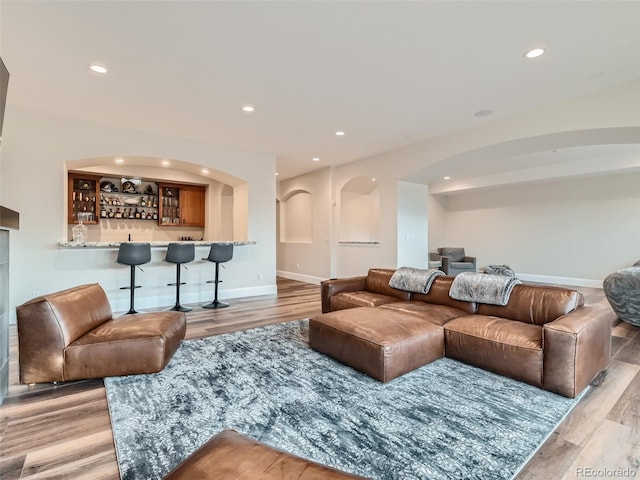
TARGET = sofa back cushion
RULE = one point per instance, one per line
(535, 304)
(69, 313)
(439, 295)
(377, 281)
(455, 254)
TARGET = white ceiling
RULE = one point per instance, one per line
(387, 73)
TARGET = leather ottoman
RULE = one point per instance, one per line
(382, 343)
(232, 456)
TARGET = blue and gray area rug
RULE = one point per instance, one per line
(446, 420)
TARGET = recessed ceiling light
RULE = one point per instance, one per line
(98, 68)
(373, 179)
(483, 113)
(248, 108)
(277, 174)
(339, 133)
(315, 159)
(119, 160)
(536, 52)
(447, 178)
(165, 163)
(204, 171)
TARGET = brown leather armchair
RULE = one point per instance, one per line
(72, 335)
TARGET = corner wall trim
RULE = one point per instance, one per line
(577, 282)
(299, 277)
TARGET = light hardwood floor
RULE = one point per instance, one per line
(63, 431)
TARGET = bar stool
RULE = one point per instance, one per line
(179, 253)
(219, 253)
(133, 254)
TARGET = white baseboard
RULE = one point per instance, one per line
(577, 282)
(299, 277)
(122, 305)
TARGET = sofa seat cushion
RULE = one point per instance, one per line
(462, 265)
(131, 344)
(506, 347)
(382, 343)
(438, 314)
(343, 300)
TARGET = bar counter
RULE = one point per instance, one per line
(197, 243)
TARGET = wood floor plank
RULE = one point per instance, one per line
(626, 410)
(11, 468)
(587, 416)
(556, 455)
(63, 431)
(599, 460)
(89, 456)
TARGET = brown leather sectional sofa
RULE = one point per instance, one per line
(544, 336)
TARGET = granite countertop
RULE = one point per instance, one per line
(201, 243)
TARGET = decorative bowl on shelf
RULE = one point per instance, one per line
(108, 187)
(128, 187)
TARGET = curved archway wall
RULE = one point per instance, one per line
(296, 217)
(308, 261)
(221, 216)
(611, 115)
(35, 149)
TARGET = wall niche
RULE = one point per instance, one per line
(360, 211)
(296, 217)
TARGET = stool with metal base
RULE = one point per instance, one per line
(219, 253)
(179, 253)
(133, 254)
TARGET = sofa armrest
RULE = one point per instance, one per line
(471, 260)
(329, 288)
(576, 347)
(434, 257)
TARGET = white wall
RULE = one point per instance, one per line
(35, 149)
(582, 228)
(359, 217)
(413, 224)
(586, 115)
(309, 260)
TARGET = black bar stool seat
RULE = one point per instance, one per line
(219, 253)
(133, 254)
(179, 253)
